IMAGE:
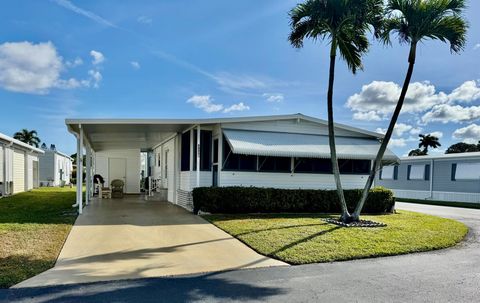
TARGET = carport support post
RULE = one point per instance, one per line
(198, 155)
(80, 170)
(88, 176)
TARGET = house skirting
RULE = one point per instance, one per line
(437, 195)
(185, 199)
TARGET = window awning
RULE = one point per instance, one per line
(276, 144)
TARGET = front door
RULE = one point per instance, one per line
(117, 169)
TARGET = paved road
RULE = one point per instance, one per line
(451, 275)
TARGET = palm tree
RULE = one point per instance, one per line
(427, 141)
(29, 137)
(416, 153)
(344, 24)
(415, 21)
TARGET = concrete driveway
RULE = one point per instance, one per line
(132, 238)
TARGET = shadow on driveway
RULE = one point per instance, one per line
(178, 289)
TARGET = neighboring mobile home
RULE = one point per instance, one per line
(286, 151)
(448, 177)
(55, 167)
(18, 166)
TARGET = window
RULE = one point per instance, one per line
(205, 152)
(274, 164)
(311, 165)
(185, 152)
(466, 171)
(354, 166)
(416, 172)
(237, 162)
(387, 173)
(159, 159)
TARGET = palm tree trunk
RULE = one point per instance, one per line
(388, 135)
(345, 217)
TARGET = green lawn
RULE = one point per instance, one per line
(305, 238)
(33, 228)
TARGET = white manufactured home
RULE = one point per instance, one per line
(285, 151)
(448, 177)
(19, 168)
(55, 167)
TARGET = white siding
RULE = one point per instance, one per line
(290, 126)
(18, 171)
(291, 181)
(2, 162)
(133, 167)
(188, 179)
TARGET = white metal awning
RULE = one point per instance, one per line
(276, 144)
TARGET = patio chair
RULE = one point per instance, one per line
(117, 188)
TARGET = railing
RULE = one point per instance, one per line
(153, 184)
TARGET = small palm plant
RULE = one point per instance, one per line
(28, 136)
(427, 141)
(416, 21)
(344, 24)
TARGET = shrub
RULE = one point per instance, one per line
(238, 199)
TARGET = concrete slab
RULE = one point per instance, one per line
(132, 238)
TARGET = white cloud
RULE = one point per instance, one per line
(97, 56)
(451, 113)
(416, 130)
(205, 103)
(69, 84)
(437, 134)
(367, 116)
(377, 100)
(274, 98)
(80, 11)
(31, 68)
(477, 46)
(237, 108)
(95, 77)
(135, 64)
(144, 20)
(467, 92)
(399, 130)
(78, 61)
(398, 142)
(231, 81)
(469, 134)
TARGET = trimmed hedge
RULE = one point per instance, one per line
(236, 199)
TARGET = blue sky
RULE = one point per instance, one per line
(171, 59)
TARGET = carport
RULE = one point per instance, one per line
(115, 139)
